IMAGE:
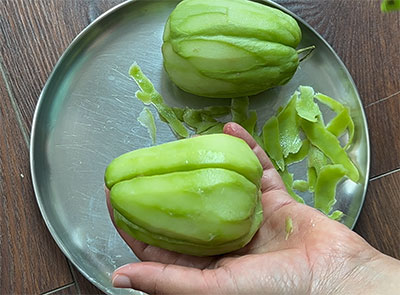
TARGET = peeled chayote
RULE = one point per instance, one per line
(229, 48)
(198, 196)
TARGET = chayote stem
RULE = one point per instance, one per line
(308, 50)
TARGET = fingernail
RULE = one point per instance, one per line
(121, 281)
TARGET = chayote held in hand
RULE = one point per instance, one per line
(198, 196)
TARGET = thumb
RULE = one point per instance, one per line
(156, 278)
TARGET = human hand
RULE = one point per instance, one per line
(320, 256)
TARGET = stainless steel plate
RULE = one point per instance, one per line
(87, 112)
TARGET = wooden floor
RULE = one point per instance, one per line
(34, 34)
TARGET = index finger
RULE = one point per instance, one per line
(271, 179)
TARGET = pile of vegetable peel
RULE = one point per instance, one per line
(297, 132)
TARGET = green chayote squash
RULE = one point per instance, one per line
(198, 196)
(229, 48)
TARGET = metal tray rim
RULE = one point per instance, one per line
(59, 65)
(40, 102)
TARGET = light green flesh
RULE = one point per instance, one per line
(232, 18)
(185, 247)
(179, 69)
(204, 206)
(226, 83)
(226, 49)
(222, 55)
(216, 56)
(208, 151)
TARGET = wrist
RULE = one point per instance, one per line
(379, 275)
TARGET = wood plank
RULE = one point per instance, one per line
(379, 221)
(384, 131)
(365, 39)
(64, 290)
(30, 261)
(83, 286)
(34, 34)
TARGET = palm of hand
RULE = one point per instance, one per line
(312, 260)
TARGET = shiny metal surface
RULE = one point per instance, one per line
(87, 115)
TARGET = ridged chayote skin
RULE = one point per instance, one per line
(229, 48)
(198, 196)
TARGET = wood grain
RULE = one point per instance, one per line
(83, 286)
(384, 130)
(34, 34)
(366, 39)
(31, 262)
(379, 221)
(64, 290)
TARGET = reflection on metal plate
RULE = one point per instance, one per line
(87, 115)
